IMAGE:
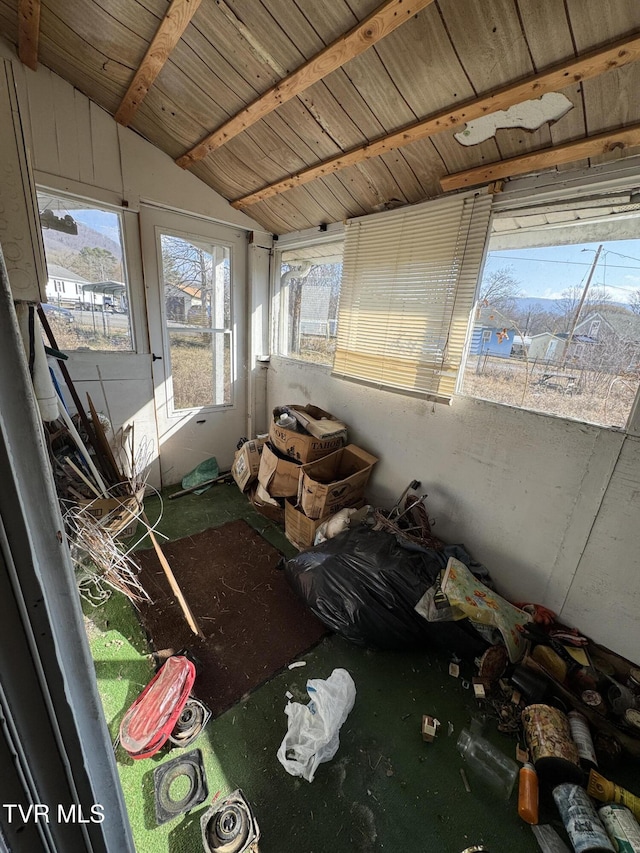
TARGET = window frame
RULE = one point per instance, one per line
(279, 318)
(512, 208)
(131, 259)
(228, 332)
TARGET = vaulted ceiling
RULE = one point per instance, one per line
(313, 111)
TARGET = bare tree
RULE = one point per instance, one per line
(533, 320)
(597, 297)
(293, 277)
(634, 302)
(500, 288)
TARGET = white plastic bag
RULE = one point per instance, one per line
(312, 736)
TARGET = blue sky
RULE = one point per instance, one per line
(546, 272)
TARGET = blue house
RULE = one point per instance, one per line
(493, 333)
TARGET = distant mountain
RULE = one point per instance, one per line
(58, 241)
(526, 303)
(552, 306)
(101, 221)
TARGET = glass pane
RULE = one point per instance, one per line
(200, 368)
(310, 278)
(87, 292)
(557, 329)
(197, 283)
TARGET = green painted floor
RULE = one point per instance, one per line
(385, 789)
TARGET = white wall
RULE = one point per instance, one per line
(77, 147)
(550, 506)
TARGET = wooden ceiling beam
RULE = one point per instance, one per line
(588, 65)
(169, 33)
(28, 32)
(547, 158)
(364, 35)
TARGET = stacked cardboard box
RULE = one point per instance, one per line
(305, 474)
(325, 487)
(334, 482)
(247, 463)
(317, 434)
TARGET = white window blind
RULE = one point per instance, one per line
(408, 287)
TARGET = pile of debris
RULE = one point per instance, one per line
(303, 472)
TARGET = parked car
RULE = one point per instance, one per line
(56, 313)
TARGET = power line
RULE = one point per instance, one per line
(571, 263)
(628, 257)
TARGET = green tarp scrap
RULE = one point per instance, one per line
(207, 470)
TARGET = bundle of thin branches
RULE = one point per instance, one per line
(141, 463)
(411, 524)
(99, 561)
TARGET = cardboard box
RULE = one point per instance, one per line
(302, 447)
(278, 475)
(273, 513)
(299, 529)
(336, 481)
(318, 423)
(118, 515)
(247, 463)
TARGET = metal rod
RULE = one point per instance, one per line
(199, 486)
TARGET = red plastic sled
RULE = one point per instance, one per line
(150, 720)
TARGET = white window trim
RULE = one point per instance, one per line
(521, 194)
(131, 258)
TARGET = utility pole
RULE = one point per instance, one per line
(581, 303)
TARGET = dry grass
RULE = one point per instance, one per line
(192, 365)
(72, 336)
(595, 398)
(316, 349)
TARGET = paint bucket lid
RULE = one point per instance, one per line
(594, 700)
(632, 719)
(634, 680)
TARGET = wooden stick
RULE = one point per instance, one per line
(73, 432)
(384, 20)
(105, 455)
(199, 486)
(188, 615)
(84, 479)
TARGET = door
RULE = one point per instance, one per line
(195, 273)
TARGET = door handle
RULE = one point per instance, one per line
(155, 357)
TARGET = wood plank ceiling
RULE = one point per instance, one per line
(208, 60)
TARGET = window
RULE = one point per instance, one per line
(86, 269)
(408, 288)
(196, 275)
(310, 278)
(563, 294)
(486, 336)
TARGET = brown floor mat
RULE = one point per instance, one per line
(253, 622)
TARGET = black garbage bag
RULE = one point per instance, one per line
(364, 585)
